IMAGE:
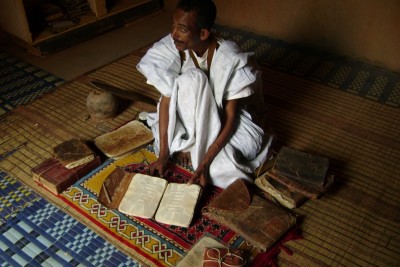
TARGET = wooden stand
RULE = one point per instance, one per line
(18, 18)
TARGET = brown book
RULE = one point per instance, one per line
(278, 192)
(114, 188)
(124, 140)
(73, 152)
(52, 175)
(311, 192)
(259, 221)
(195, 256)
(302, 167)
(221, 257)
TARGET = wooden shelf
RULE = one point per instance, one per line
(18, 18)
(48, 33)
(117, 6)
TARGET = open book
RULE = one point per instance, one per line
(148, 196)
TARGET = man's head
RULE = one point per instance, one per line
(192, 23)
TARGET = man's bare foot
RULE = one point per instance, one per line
(183, 158)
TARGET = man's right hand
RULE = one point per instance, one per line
(200, 176)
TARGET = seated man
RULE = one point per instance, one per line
(208, 87)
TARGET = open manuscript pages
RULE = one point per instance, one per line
(178, 204)
(143, 196)
(153, 197)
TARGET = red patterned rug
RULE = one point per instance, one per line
(147, 240)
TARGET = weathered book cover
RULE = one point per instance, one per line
(279, 192)
(194, 257)
(124, 140)
(114, 188)
(259, 221)
(73, 152)
(215, 257)
(311, 192)
(302, 167)
(52, 175)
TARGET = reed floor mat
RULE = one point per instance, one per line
(21, 82)
(355, 223)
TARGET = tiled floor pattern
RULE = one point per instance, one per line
(33, 232)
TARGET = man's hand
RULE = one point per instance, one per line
(200, 176)
(158, 167)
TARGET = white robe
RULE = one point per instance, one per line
(195, 105)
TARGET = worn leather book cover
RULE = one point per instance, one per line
(124, 140)
(194, 257)
(259, 221)
(224, 257)
(311, 192)
(278, 192)
(73, 152)
(305, 168)
(114, 188)
(52, 175)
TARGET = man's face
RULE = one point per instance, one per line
(184, 31)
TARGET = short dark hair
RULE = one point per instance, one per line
(206, 11)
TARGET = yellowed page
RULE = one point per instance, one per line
(263, 184)
(143, 196)
(178, 204)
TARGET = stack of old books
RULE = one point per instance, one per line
(71, 160)
(295, 177)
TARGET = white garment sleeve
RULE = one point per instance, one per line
(247, 91)
(232, 75)
(161, 65)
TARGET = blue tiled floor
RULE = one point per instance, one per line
(33, 232)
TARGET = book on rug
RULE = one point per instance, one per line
(278, 192)
(195, 255)
(55, 177)
(215, 257)
(149, 197)
(124, 140)
(261, 222)
(209, 251)
(73, 152)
